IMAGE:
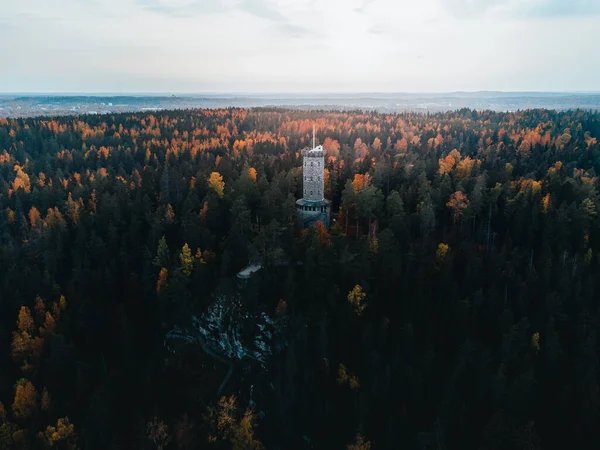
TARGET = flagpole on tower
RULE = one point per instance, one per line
(313, 136)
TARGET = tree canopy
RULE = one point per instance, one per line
(453, 303)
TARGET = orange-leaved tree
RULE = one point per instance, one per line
(25, 402)
(62, 435)
(458, 203)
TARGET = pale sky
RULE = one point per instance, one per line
(178, 46)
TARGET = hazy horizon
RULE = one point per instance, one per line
(300, 46)
(24, 104)
(292, 93)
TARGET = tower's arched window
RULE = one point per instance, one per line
(312, 164)
(319, 164)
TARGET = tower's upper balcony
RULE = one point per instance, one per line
(316, 152)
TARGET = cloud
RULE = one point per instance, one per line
(363, 8)
(523, 9)
(295, 31)
(561, 8)
(298, 45)
(470, 8)
(262, 9)
(376, 30)
(183, 8)
(265, 10)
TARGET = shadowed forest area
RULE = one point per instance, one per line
(453, 303)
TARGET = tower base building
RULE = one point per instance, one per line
(310, 212)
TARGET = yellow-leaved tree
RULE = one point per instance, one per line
(158, 433)
(215, 182)
(441, 252)
(228, 424)
(345, 377)
(360, 443)
(25, 347)
(356, 297)
(186, 260)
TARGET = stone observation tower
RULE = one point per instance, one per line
(313, 207)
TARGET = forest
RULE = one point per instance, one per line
(453, 303)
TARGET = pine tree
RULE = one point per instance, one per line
(162, 253)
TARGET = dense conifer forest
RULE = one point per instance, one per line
(453, 303)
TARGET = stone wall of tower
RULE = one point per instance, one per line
(313, 182)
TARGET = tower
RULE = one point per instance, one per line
(313, 207)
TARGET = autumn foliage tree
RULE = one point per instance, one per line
(21, 180)
(252, 173)
(356, 298)
(344, 377)
(360, 443)
(446, 165)
(62, 435)
(26, 348)
(458, 203)
(322, 234)
(441, 252)
(331, 147)
(25, 402)
(229, 424)
(158, 433)
(186, 260)
(35, 220)
(161, 283)
(216, 183)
